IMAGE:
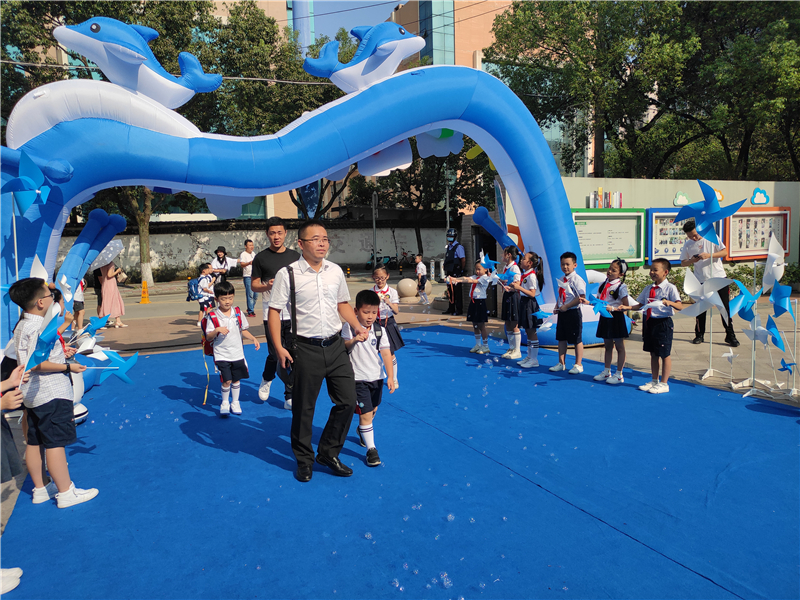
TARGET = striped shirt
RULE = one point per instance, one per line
(41, 387)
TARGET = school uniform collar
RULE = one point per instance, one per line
(384, 289)
(662, 284)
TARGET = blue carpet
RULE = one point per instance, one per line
(496, 483)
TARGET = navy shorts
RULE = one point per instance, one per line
(368, 396)
(657, 336)
(77, 306)
(52, 425)
(207, 303)
(421, 283)
(569, 327)
(232, 371)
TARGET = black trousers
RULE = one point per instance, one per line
(456, 299)
(272, 366)
(312, 365)
(700, 320)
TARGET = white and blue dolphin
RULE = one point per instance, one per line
(380, 51)
(122, 53)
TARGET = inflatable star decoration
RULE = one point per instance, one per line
(780, 299)
(27, 186)
(707, 212)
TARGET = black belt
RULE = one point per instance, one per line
(318, 341)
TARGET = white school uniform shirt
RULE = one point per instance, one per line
(365, 356)
(513, 268)
(708, 268)
(391, 295)
(577, 284)
(604, 293)
(228, 347)
(480, 285)
(529, 282)
(205, 281)
(41, 388)
(247, 257)
(318, 295)
(421, 268)
(664, 291)
(78, 296)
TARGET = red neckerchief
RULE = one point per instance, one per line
(607, 288)
(63, 345)
(651, 296)
(562, 293)
(472, 290)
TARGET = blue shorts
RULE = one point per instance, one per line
(368, 396)
(52, 425)
(657, 335)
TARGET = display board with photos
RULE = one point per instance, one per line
(748, 232)
(607, 234)
(665, 238)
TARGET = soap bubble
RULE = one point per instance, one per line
(394, 583)
(450, 517)
(405, 566)
(368, 535)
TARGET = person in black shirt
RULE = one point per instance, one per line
(265, 265)
(455, 259)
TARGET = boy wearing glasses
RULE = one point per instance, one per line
(47, 396)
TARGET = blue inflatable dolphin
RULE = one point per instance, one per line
(122, 53)
(380, 51)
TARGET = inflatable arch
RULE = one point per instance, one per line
(110, 136)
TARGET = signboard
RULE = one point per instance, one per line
(606, 234)
(665, 238)
(748, 231)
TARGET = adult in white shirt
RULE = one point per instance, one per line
(246, 259)
(321, 297)
(706, 259)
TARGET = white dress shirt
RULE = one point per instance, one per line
(708, 268)
(318, 294)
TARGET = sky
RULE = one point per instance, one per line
(330, 15)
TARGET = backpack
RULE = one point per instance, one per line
(208, 345)
(193, 289)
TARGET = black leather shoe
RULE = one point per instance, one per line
(698, 340)
(447, 312)
(303, 473)
(335, 465)
(732, 342)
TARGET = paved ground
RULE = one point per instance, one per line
(169, 324)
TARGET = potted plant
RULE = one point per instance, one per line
(791, 276)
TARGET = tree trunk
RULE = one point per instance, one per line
(143, 220)
(599, 147)
(418, 231)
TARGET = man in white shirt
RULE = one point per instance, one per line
(706, 258)
(321, 297)
(246, 259)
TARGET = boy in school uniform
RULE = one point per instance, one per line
(206, 286)
(657, 330)
(367, 351)
(422, 279)
(48, 399)
(569, 328)
(225, 327)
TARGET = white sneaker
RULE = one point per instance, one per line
(8, 580)
(603, 376)
(615, 379)
(236, 409)
(661, 388)
(532, 362)
(12, 572)
(648, 386)
(46, 493)
(514, 354)
(524, 360)
(263, 390)
(576, 370)
(475, 348)
(506, 354)
(224, 408)
(75, 496)
(484, 350)
(558, 367)
(288, 404)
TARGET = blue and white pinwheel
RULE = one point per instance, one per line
(707, 212)
(705, 295)
(756, 332)
(775, 264)
(599, 306)
(780, 299)
(48, 334)
(123, 366)
(775, 334)
(28, 186)
(95, 323)
(541, 314)
(488, 263)
(743, 304)
(786, 366)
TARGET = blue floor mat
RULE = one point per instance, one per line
(495, 483)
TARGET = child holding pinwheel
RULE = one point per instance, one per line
(614, 293)
(47, 396)
(477, 313)
(528, 288)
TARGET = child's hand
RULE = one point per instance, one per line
(76, 368)
(11, 400)
(392, 386)
(69, 351)
(256, 344)
(556, 309)
(68, 317)
(363, 336)
(222, 330)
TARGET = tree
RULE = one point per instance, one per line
(423, 186)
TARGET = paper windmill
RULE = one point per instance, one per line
(27, 186)
(756, 332)
(540, 314)
(123, 366)
(773, 270)
(488, 263)
(705, 295)
(780, 299)
(48, 334)
(599, 306)
(729, 356)
(95, 323)
(707, 212)
(772, 330)
(743, 304)
(786, 366)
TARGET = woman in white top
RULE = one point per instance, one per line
(221, 265)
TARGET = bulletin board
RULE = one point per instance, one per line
(665, 238)
(608, 233)
(748, 231)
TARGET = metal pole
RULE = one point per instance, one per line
(710, 339)
(447, 207)
(374, 231)
(794, 357)
(753, 327)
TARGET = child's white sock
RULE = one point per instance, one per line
(510, 338)
(478, 340)
(485, 341)
(517, 340)
(368, 435)
(394, 364)
(424, 297)
(235, 387)
(226, 391)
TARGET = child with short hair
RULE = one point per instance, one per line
(510, 313)
(529, 287)
(225, 327)
(613, 331)
(657, 330)
(205, 284)
(477, 313)
(569, 328)
(367, 351)
(48, 400)
(390, 306)
(422, 279)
